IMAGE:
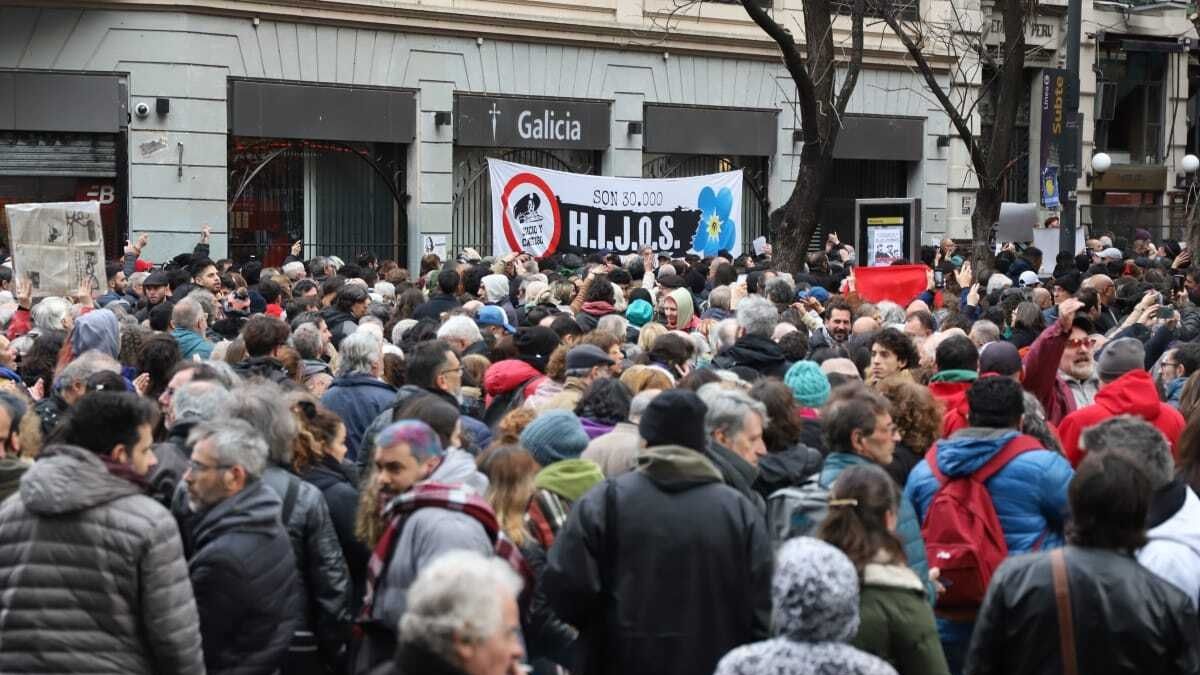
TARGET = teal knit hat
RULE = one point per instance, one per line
(554, 436)
(809, 385)
(639, 312)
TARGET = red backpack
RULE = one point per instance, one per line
(962, 533)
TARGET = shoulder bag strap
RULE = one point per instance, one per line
(1066, 626)
(289, 499)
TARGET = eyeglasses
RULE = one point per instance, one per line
(1173, 364)
(458, 370)
(1081, 343)
(197, 467)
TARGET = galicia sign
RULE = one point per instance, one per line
(541, 212)
(509, 122)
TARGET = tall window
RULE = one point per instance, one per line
(1130, 105)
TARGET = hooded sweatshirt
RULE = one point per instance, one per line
(1133, 393)
(686, 318)
(1173, 552)
(815, 589)
(98, 330)
(11, 470)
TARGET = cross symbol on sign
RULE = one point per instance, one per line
(494, 113)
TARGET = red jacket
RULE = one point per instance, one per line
(1041, 379)
(1130, 394)
(953, 396)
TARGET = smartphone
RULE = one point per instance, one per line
(1177, 280)
(939, 279)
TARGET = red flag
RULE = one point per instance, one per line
(898, 283)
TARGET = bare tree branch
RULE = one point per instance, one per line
(926, 71)
(794, 62)
(856, 52)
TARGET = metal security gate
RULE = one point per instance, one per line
(756, 208)
(852, 179)
(473, 191)
(340, 199)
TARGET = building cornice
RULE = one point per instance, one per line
(432, 20)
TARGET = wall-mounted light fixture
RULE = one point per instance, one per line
(1101, 162)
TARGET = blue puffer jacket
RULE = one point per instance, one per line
(357, 398)
(1029, 495)
(908, 528)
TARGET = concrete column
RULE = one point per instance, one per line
(430, 169)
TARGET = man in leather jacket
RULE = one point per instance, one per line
(1110, 594)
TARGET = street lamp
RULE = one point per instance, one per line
(1190, 164)
(1101, 162)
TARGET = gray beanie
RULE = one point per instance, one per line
(1120, 357)
(554, 436)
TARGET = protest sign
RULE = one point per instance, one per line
(57, 245)
(541, 212)
(1016, 222)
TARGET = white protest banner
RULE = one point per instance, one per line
(57, 245)
(541, 212)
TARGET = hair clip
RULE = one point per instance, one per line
(843, 502)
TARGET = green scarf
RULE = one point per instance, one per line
(955, 376)
(570, 478)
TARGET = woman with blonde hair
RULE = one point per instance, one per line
(649, 333)
(640, 378)
(318, 457)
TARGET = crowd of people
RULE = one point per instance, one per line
(604, 464)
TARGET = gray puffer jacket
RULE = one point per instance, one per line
(92, 575)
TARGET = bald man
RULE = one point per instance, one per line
(1107, 290)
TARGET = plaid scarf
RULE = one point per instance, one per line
(546, 515)
(436, 495)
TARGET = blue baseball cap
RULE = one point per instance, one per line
(490, 315)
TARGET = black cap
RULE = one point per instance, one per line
(675, 417)
(587, 356)
(535, 344)
(156, 278)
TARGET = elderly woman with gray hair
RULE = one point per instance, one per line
(462, 619)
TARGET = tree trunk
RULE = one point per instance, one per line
(987, 212)
(795, 221)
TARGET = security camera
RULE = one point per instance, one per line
(142, 110)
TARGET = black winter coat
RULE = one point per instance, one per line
(903, 461)
(757, 353)
(1112, 596)
(244, 578)
(172, 457)
(338, 482)
(434, 307)
(339, 323)
(663, 569)
(268, 368)
(787, 468)
(324, 577)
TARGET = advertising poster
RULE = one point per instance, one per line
(57, 246)
(885, 244)
(541, 212)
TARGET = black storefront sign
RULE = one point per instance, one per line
(695, 130)
(513, 122)
(269, 109)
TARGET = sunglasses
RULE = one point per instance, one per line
(1080, 343)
